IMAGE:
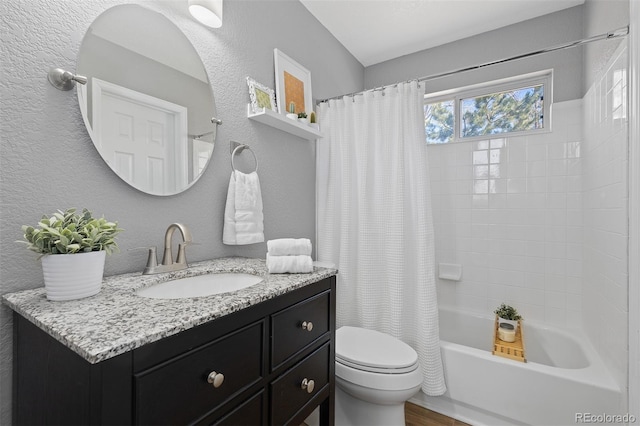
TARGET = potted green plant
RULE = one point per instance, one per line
(312, 121)
(291, 112)
(508, 314)
(302, 117)
(72, 248)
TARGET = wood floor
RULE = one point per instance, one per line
(418, 416)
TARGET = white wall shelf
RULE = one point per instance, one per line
(279, 121)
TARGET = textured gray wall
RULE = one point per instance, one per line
(545, 31)
(47, 160)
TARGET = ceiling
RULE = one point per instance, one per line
(375, 31)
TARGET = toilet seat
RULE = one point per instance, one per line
(372, 351)
(375, 369)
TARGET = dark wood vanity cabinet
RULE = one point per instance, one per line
(272, 363)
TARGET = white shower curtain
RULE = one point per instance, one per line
(374, 218)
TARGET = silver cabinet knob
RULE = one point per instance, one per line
(307, 325)
(216, 379)
(308, 385)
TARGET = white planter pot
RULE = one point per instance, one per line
(73, 276)
(512, 322)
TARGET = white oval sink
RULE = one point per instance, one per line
(200, 285)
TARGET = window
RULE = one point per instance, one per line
(439, 122)
(521, 104)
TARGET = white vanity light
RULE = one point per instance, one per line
(208, 12)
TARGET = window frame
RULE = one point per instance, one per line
(544, 78)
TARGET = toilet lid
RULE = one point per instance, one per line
(373, 351)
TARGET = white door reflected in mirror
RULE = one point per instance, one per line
(141, 137)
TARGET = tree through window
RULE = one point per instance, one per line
(514, 105)
(439, 121)
(504, 112)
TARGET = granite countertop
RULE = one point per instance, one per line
(116, 320)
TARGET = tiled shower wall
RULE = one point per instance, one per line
(540, 222)
(510, 211)
(605, 201)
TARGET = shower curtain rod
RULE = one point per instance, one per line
(620, 32)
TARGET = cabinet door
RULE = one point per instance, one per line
(294, 328)
(178, 391)
(294, 389)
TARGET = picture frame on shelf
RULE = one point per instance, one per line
(261, 96)
(293, 84)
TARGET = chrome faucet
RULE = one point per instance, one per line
(168, 265)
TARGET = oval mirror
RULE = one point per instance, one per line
(148, 104)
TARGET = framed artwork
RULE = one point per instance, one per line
(261, 96)
(293, 84)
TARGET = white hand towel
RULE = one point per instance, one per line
(289, 264)
(243, 218)
(289, 246)
(229, 227)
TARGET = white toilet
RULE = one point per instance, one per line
(375, 375)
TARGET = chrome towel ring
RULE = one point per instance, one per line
(237, 150)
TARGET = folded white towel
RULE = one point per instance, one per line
(243, 218)
(289, 264)
(289, 246)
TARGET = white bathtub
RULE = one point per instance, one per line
(563, 376)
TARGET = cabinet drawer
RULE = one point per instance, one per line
(177, 391)
(249, 413)
(287, 393)
(294, 328)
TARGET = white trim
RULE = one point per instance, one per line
(496, 86)
(634, 208)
